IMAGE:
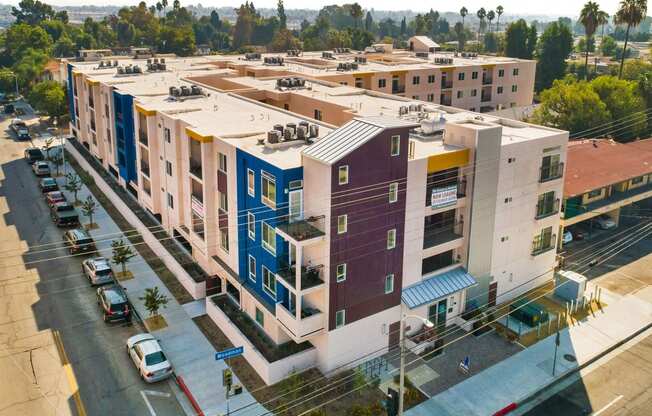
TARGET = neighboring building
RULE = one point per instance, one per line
(322, 209)
(54, 70)
(603, 177)
(422, 44)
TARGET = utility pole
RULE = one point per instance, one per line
(401, 390)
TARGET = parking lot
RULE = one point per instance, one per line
(43, 290)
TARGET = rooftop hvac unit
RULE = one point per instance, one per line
(195, 90)
(413, 108)
(121, 70)
(433, 125)
(302, 132)
(149, 61)
(185, 91)
(292, 128)
(279, 128)
(155, 60)
(570, 285)
(115, 63)
(173, 90)
(101, 64)
(422, 55)
(162, 60)
(314, 130)
(129, 69)
(273, 136)
(138, 69)
(161, 67)
(287, 135)
(354, 66)
(304, 123)
(402, 110)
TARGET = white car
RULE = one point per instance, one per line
(149, 358)
(605, 222)
(41, 169)
(567, 238)
(98, 270)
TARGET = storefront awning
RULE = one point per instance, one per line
(437, 287)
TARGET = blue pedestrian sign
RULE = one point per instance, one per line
(231, 352)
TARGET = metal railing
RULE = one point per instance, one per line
(546, 209)
(142, 137)
(543, 245)
(144, 167)
(551, 172)
(445, 84)
(195, 169)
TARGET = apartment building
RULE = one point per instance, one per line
(322, 210)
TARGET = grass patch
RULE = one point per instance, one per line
(165, 275)
(154, 323)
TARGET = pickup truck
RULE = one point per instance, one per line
(64, 214)
(20, 129)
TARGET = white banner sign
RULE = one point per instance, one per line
(443, 197)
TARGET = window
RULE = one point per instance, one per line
(391, 239)
(499, 90)
(474, 93)
(415, 97)
(269, 238)
(222, 162)
(637, 180)
(460, 76)
(382, 83)
(342, 224)
(260, 317)
(339, 319)
(393, 192)
(343, 175)
(341, 273)
(224, 239)
(251, 183)
(474, 75)
(514, 88)
(395, 145)
(515, 72)
(251, 225)
(268, 190)
(168, 168)
(224, 201)
(269, 282)
(170, 201)
(431, 79)
(431, 97)
(460, 94)
(317, 114)
(416, 80)
(501, 72)
(252, 268)
(389, 283)
(166, 134)
(594, 193)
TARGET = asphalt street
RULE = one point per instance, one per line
(45, 291)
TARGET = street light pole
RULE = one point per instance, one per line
(401, 388)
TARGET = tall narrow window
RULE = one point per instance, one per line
(391, 239)
(168, 168)
(224, 202)
(342, 224)
(341, 272)
(251, 225)
(269, 238)
(389, 283)
(268, 190)
(339, 319)
(269, 282)
(170, 201)
(343, 175)
(222, 162)
(166, 134)
(396, 145)
(252, 268)
(393, 192)
(251, 182)
(260, 317)
(224, 239)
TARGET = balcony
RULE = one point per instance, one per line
(195, 169)
(142, 137)
(144, 167)
(436, 235)
(446, 84)
(485, 97)
(302, 232)
(546, 209)
(543, 245)
(311, 323)
(487, 79)
(310, 275)
(445, 100)
(398, 89)
(551, 172)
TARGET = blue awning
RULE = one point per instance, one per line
(437, 287)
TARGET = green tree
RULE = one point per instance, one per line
(608, 46)
(491, 42)
(491, 15)
(284, 40)
(47, 146)
(49, 97)
(29, 66)
(356, 14)
(33, 12)
(591, 17)
(154, 300)
(460, 35)
(499, 12)
(88, 208)
(122, 253)
(630, 13)
(622, 99)
(520, 40)
(73, 184)
(282, 18)
(635, 67)
(553, 48)
(57, 161)
(368, 22)
(464, 12)
(481, 13)
(64, 47)
(19, 38)
(571, 105)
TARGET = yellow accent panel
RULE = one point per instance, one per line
(92, 82)
(145, 112)
(489, 66)
(363, 74)
(445, 161)
(198, 137)
(76, 74)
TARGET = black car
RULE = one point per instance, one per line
(33, 155)
(48, 185)
(65, 215)
(114, 303)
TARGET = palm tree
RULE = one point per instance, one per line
(491, 15)
(463, 13)
(481, 15)
(499, 11)
(603, 19)
(589, 19)
(631, 13)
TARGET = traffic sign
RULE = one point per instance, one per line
(231, 352)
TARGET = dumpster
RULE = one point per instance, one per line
(531, 314)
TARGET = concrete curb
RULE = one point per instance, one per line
(535, 395)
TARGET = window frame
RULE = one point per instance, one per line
(395, 145)
(393, 191)
(168, 168)
(223, 202)
(501, 73)
(392, 239)
(340, 169)
(474, 75)
(269, 248)
(221, 162)
(431, 79)
(170, 200)
(255, 272)
(341, 313)
(224, 243)
(266, 288)
(345, 217)
(416, 80)
(514, 88)
(258, 313)
(271, 179)
(389, 278)
(340, 277)
(461, 76)
(251, 226)
(382, 83)
(251, 182)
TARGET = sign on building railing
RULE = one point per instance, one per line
(443, 197)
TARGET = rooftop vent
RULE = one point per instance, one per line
(342, 50)
(423, 55)
(327, 55)
(360, 59)
(254, 56)
(347, 66)
(444, 61)
(290, 83)
(291, 133)
(469, 55)
(294, 52)
(186, 91)
(273, 60)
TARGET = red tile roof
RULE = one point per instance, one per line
(593, 164)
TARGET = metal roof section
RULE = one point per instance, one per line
(342, 141)
(437, 287)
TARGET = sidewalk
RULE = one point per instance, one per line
(525, 373)
(192, 356)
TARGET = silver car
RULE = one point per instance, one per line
(98, 270)
(41, 169)
(147, 355)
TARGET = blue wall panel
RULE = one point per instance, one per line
(125, 138)
(71, 97)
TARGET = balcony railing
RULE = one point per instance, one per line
(543, 245)
(446, 84)
(551, 172)
(302, 230)
(487, 80)
(195, 169)
(310, 323)
(546, 209)
(446, 101)
(310, 275)
(142, 137)
(398, 89)
(144, 167)
(436, 235)
(485, 97)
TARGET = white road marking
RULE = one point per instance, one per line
(156, 393)
(146, 393)
(611, 403)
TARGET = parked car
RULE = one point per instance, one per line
(48, 185)
(577, 232)
(114, 304)
(41, 169)
(78, 241)
(605, 222)
(98, 270)
(33, 154)
(54, 197)
(147, 355)
(64, 214)
(567, 238)
(19, 128)
(9, 109)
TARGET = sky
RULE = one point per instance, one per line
(512, 7)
